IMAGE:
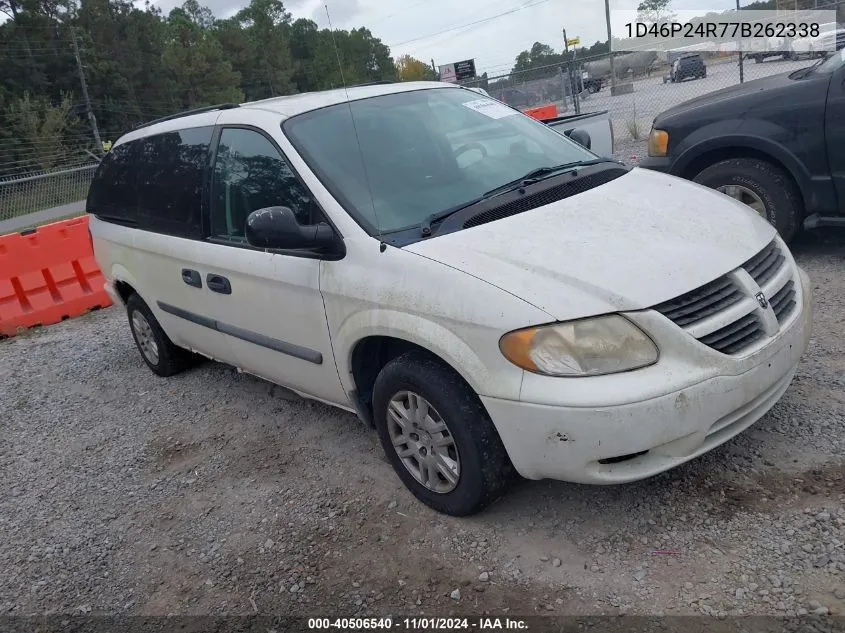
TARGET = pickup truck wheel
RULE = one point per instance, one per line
(438, 436)
(765, 188)
(157, 350)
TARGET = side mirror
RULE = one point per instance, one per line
(581, 137)
(276, 227)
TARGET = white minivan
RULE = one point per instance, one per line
(493, 297)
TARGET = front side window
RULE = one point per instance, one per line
(250, 174)
(393, 160)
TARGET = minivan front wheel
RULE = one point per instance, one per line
(764, 187)
(158, 351)
(438, 436)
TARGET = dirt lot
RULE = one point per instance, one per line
(214, 492)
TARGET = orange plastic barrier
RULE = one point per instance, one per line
(542, 112)
(48, 275)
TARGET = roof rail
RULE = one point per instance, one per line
(380, 82)
(179, 115)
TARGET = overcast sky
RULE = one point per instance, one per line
(492, 32)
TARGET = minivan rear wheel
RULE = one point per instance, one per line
(158, 351)
(438, 436)
(762, 186)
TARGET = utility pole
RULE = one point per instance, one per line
(573, 81)
(610, 46)
(91, 116)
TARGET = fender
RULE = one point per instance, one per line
(118, 272)
(430, 336)
(756, 134)
(761, 137)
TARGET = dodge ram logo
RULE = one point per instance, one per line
(761, 299)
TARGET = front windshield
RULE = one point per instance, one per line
(399, 158)
(831, 64)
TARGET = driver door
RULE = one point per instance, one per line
(267, 304)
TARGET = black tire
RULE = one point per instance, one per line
(776, 189)
(171, 358)
(485, 469)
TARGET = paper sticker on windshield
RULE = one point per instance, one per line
(490, 108)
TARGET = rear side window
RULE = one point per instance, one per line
(112, 192)
(171, 174)
(155, 183)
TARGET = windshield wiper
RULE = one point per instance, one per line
(810, 69)
(425, 227)
(541, 173)
(535, 175)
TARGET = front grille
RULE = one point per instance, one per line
(735, 336)
(700, 303)
(726, 315)
(783, 301)
(765, 264)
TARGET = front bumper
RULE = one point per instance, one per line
(560, 441)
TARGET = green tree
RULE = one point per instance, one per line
(412, 69)
(257, 39)
(140, 64)
(654, 11)
(196, 63)
(41, 127)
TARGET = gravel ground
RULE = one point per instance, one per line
(215, 492)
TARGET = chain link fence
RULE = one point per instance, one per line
(44, 190)
(639, 89)
(634, 89)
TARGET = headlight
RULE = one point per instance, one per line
(588, 347)
(658, 142)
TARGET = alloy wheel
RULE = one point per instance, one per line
(423, 442)
(746, 196)
(145, 337)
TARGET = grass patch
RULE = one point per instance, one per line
(634, 129)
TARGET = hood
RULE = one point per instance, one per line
(737, 92)
(629, 244)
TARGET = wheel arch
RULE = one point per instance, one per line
(699, 157)
(124, 283)
(369, 356)
(381, 337)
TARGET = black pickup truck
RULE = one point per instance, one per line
(777, 144)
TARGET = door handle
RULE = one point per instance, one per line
(218, 283)
(191, 277)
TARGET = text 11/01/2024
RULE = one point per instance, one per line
(418, 624)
